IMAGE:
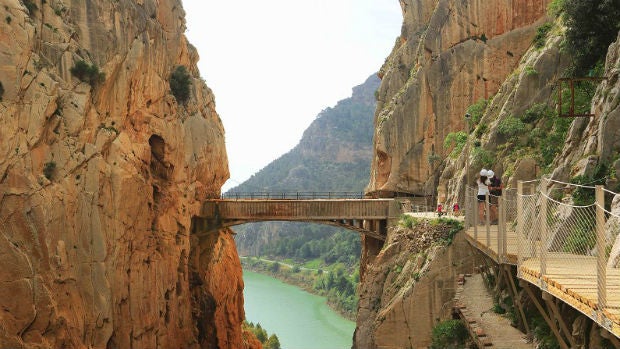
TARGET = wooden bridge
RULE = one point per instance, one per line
(563, 250)
(367, 216)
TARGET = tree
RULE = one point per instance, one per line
(275, 267)
(591, 26)
(179, 83)
(272, 343)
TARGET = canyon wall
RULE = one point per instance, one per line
(449, 55)
(99, 179)
(410, 286)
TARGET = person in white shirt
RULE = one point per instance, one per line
(483, 192)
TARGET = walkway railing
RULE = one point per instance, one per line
(493, 220)
(294, 195)
(567, 247)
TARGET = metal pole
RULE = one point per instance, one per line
(504, 231)
(475, 212)
(500, 231)
(519, 226)
(487, 218)
(601, 265)
(544, 234)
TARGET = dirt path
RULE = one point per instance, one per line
(479, 308)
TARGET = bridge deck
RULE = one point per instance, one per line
(569, 277)
(366, 216)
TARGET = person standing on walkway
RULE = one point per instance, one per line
(495, 189)
(483, 191)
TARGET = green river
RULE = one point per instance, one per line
(300, 320)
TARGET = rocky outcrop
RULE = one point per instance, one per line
(408, 286)
(450, 55)
(99, 180)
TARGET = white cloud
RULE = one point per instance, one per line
(274, 65)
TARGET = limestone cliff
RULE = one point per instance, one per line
(99, 181)
(449, 55)
(410, 286)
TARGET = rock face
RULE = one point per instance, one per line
(408, 286)
(99, 182)
(450, 54)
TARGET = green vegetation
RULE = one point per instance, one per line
(541, 35)
(407, 221)
(542, 332)
(482, 158)
(591, 26)
(268, 342)
(529, 70)
(87, 73)
(8, 19)
(456, 141)
(48, 169)
(31, 6)
(433, 159)
(511, 127)
(582, 238)
(538, 133)
(445, 227)
(449, 334)
(339, 288)
(1, 91)
(310, 241)
(180, 80)
(476, 111)
(585, 196)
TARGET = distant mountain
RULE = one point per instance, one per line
(334, 154)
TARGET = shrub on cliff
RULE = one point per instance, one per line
(87, 72)
(31, 6)
(1, 91)
(449, 334)
(179, 83)
(48, 169)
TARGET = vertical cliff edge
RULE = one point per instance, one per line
(449, 55)
(101, 171)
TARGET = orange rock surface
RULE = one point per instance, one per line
(99, 182)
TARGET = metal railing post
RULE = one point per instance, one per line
(501, 229)
(601, 263)
(487, 217)
(544, 233)
(475, 212)
(519, 229)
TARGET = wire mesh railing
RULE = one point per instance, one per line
(570, 242)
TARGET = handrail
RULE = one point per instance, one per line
(300, 195)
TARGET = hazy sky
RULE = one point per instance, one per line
(273, 65)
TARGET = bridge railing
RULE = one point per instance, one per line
(299, 195)
(571, 232)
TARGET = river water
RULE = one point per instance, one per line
(300, 320)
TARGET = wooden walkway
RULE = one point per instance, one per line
(571, 278)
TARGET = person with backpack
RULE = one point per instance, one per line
(495, 190)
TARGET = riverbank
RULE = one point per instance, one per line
(300, 319)
(333, 283)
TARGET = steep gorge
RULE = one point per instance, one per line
(525, 89)
(100, 178)
(449, 55)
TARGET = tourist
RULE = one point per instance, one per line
(483, 191)
(495, 189)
